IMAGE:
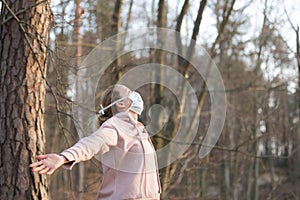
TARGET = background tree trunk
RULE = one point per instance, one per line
(159, 58)
(79, 90)
(23, 61)
(297, 137)
(115, 28)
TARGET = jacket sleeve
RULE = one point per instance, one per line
(98, 142)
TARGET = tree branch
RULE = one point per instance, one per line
(21, 11)
(222, 148)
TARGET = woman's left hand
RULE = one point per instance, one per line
(47, 163)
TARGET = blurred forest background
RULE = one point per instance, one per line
(255, 45)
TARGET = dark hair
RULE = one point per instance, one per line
(109, 95)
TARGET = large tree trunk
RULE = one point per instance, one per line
(23, 56)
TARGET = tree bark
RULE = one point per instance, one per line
(79, 89)
(23, 63)
(159, 73)
(297, 137)
(298, 62)
(185, 7)
(115, 28)
(128, 15)
(296, 157)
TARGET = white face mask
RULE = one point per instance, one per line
(137, 105)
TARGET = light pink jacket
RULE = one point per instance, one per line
(129, 162)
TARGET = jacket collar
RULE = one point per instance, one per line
(125, 116)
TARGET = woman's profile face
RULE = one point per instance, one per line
(123, 91)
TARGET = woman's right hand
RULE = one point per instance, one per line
(47, 163)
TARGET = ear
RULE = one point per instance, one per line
(123, 105)
(120, 104)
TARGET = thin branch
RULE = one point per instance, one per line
(64, 43)
(222, 148)
(222, 27)
(290, 21)
(21, 11)
(182, 170)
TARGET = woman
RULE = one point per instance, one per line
(128, 157)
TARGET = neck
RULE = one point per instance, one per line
(133, 115)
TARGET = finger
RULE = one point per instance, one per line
(41, 157)
(46, 169)
(37, 169)
(36, 164)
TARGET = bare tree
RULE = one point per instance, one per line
(297, 136)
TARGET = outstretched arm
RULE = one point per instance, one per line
(98, 142)
(84, 149)
(48, 163)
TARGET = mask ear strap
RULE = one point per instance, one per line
(101, 111)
